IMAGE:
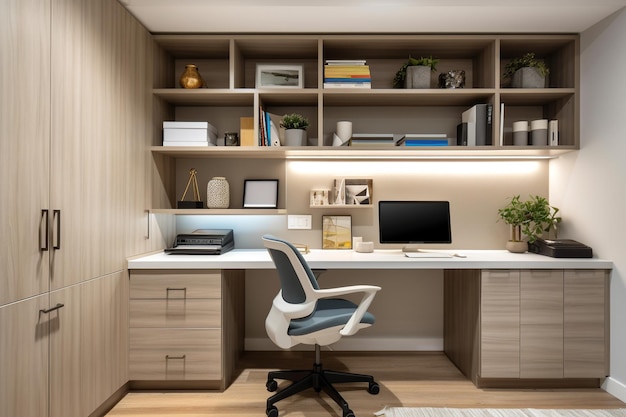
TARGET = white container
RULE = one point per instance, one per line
(218, 193)
(189, 132)
(344, 130)
(520, 133)
(539, 132)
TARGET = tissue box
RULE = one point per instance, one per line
(186, 133)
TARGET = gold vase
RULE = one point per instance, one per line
(191, 78)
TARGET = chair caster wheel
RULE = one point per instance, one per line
(271, 386)
(272, 412)
(348, 413)
(373, 388)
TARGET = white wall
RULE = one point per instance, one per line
(588, 186)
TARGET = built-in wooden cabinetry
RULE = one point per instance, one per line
(228, 64)
(529, 324)
(74, 94)
(186, 327)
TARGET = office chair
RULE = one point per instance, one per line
(304, 313)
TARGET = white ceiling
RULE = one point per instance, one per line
(370, 16)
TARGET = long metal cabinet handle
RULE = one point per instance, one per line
(57, 215)
(51, 309)
(168, 357)
(46, 224)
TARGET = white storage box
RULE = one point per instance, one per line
(189, 132)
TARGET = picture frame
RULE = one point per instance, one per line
(336, 232)
(279, 76)
(260, 193)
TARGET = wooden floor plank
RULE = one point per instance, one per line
(406, 379)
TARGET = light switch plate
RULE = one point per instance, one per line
(299, 221)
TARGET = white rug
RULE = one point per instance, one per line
(495, 412)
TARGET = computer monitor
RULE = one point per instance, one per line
(414, 222)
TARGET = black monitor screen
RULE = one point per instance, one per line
(414, 222)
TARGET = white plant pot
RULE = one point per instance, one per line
(417, 76)
(295, 137)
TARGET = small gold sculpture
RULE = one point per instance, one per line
(191, 78)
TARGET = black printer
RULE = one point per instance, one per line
(203, 242)
(560, 248)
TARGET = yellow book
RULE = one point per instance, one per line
(246, 131)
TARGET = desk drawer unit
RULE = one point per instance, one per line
(176, 325)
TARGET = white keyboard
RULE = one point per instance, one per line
(427, 255)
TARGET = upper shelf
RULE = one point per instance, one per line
(379, 153)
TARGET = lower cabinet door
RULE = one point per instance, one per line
(175, 354)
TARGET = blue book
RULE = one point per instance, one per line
(426, 142)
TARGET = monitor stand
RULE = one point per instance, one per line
(411, 248)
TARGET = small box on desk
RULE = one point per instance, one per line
(189, 204)
(560, 248)
(186, 132)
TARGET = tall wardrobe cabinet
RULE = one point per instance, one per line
(73, 82)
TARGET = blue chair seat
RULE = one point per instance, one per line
(328, 313)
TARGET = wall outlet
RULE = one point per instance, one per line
(299, 221)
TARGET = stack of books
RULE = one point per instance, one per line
(347, 74)
(371, 139)
(423, 139)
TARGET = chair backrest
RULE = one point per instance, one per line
(295, 275)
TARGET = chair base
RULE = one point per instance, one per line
(318, 379)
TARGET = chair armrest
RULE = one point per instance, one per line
(369, 291)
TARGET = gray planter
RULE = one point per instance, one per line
(528, 77)
(417, 76)
(295, 137)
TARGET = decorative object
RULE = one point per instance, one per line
(452, 79)
(259, 193)
(191, 78)
(520, 133)
(358, 191)
(279, 76)
(402, 79)
(192, 182)
(527, 72)
(336, 232)
(529, 218)
(319, 197)
(344, 130)
(231, 139)
(295, 129)
(364, 247)
(338, 196)
(539, 132)
(218, 193)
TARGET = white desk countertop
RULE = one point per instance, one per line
(379, 259)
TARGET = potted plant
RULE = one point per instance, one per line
(295, 129)
(527, 71)
(415, 73)
(529, 218)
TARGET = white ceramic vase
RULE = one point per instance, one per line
(218, 193)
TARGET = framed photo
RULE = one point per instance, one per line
(336, 232)
(260, 194)
(279, 76)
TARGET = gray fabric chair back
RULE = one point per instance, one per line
(291, 287)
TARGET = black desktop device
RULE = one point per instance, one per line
(203, 242)
(560, 248)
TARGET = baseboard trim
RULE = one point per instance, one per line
(110, 402)
(358, 344)
(615, 388)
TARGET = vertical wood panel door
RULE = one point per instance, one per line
(104, 339)
(24, 146)
(541, 328)
(500, 324)
(585, 324)
(64, 335)
(24, 358)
